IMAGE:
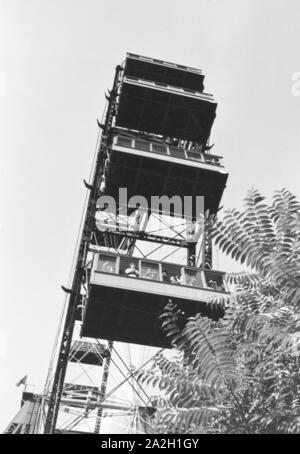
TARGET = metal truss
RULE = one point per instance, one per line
(102, 397)
(82, 400)
(75, 291)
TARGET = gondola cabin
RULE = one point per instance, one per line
(128, 294)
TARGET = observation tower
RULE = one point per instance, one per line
(134, 258)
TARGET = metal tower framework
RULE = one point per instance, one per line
(153, 140)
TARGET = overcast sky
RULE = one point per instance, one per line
(57, 57)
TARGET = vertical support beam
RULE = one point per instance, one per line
(191, 254)
(207, 251)
(103, 386)
(74, 301)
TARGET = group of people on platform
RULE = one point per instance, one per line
(215, 286)
(131, 271)
(153, 274)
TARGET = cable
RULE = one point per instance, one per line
(133, 375)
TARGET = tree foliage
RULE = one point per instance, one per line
(240, 374)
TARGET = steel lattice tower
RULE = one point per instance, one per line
(153, 141)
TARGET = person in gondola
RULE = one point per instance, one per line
(165, 276)
(132, 271)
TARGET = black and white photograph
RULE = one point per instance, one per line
(150, 220)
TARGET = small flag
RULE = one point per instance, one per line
(23, 381)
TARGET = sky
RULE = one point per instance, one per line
(57, 58)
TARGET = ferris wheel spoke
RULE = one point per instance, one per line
(135, 372)
(134, 378)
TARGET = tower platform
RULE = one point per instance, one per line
(127, 309)
(161, 71)
(164, 98)
(166, 110)
(151, 169)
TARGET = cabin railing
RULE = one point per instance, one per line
(168, 273)
(166, 150)
(172, 88)
(164, 63)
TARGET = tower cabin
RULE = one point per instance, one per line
(125, 306)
